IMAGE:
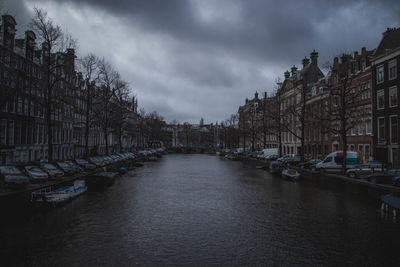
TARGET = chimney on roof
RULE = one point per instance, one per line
(314, 57)
(355, 54)
(256, 95)
(265, 95)
(336, 60)
(305, 62)
(287, 74)
(247, 100)
(293, 69)
(363, 50)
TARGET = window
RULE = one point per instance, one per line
(381, 129)
(393, 130)
(361, 148)
(336, 101)
(368, 128)
(380, 99)
(19, 105)
(367, 153)
(393, 96)
(353, 130)
(392, 69)
(363, 65)
(11, 132)
(3, 132)
(360, 128)
(335, 147)
(379, 74)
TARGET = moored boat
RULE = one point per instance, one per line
(290, 174)
(275, 167)
(58, 196)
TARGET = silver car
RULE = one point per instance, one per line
(36, 174)
(365, 170)
(13, 177)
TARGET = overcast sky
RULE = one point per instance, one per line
(189, 59)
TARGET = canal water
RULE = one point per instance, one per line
(205, 210)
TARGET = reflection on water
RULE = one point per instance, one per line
(203, 210)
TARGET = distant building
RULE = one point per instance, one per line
(359, 109)
(293, 92)
(256, 129)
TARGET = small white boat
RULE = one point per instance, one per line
(60, 195)
(290, 174)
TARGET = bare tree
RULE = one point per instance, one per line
(122, 96)
(274, 115)
(88, 67)
(108, 77)
(53, 41)
(346, 111)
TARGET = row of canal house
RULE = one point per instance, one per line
(358, 98)
(23, 130)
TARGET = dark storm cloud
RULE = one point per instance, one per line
(190, 59)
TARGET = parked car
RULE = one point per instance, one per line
(310, 164)
(364, 170)
(68, 169)
(74, 166)
(97, 161)
(389, 176)
(333, 162)
(267, 152)
(290, 158)
(13, 177)
(85, 164)
(36, 174)
(272, 157)
(52, 171)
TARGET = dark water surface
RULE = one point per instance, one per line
(204, 210)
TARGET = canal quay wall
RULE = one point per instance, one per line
(23, 195)
(316, 175)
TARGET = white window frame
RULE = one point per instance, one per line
(368, 132)
(360, 128)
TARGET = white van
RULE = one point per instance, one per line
(333, 162)
(268, 152)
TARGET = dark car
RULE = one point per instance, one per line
(365, 170)
(386, 177)
(272, 157)
(52, 171)
(85, 164)
(74, 166)
(13, 177)
(310, 164)
(68, 169)
(36, 174)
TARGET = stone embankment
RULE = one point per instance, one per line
(308, 174)
(8, 195)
